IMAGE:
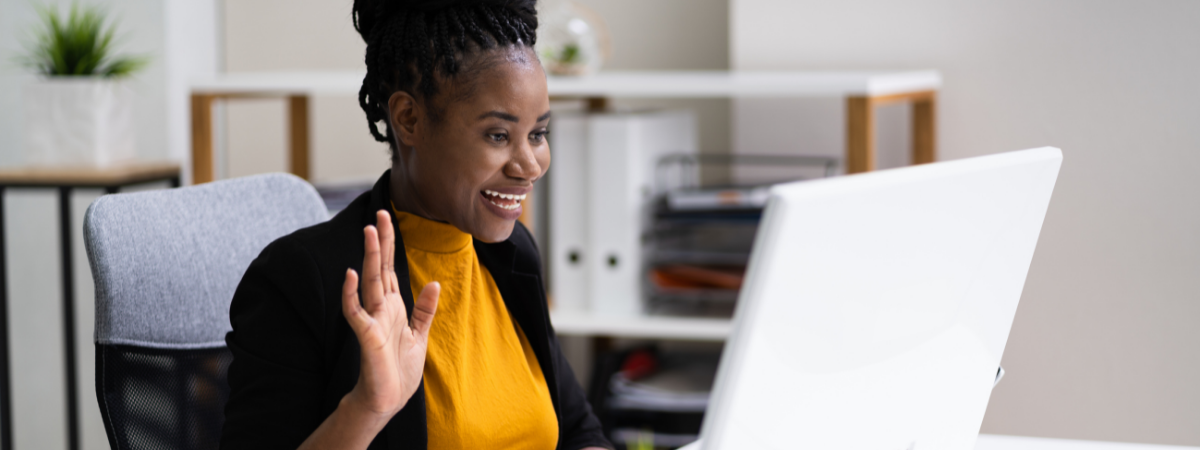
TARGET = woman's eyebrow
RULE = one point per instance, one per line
(499, 115)
(510, 117)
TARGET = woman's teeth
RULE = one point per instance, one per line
(513, 200)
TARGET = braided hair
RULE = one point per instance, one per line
(412, 44)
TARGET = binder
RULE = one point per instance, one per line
(622, 152)
(568, 213)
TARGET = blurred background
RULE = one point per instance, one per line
(1106, 343)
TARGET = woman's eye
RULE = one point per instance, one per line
(498, 137)
(537, 137)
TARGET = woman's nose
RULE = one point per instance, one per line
(524, 164)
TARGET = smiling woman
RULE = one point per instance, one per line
(455, 89)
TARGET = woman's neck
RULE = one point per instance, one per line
(404, 195)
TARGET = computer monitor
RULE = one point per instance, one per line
(876, 307)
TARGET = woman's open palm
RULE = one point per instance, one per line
(393, 348)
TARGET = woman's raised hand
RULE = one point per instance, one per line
(393, 348)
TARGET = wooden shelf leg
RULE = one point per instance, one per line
(597, 104)
(860, 135)
(298, 135)
(528, 214)
(202, 138)
(924, 131)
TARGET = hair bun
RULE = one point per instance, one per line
(434, 5)
(368, 13)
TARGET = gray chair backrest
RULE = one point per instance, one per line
(166, 263)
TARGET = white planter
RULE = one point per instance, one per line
(78, 121)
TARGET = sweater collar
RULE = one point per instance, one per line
(430, 236)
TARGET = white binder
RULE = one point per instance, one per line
(568, 213)
(622, 152)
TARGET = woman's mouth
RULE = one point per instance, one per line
(505, 201)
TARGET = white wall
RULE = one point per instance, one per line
(180, 38)
(1105, 342)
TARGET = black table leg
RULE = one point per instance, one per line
(5, 388)
(68, 311)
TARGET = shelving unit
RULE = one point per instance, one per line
(862, 91)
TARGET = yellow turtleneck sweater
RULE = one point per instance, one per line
(484, 387)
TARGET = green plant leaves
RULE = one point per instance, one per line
(78, 45)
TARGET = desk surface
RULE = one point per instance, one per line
(640, 84)
(998, 442)
(120, 174)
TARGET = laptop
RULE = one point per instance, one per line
(876, 307)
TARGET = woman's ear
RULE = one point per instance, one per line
(402, 110)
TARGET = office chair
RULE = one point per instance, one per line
(166, 264)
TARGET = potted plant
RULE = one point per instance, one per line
(80, 111)
(572, 39)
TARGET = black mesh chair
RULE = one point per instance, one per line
(166, 264)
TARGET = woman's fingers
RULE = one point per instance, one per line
(387, 244)
(372, 283)
(354, 312)
(424, 309)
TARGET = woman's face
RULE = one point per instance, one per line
(474, 165)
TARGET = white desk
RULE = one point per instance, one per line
(998, 442)
(862, 91)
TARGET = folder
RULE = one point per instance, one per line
(568, 213)
(622, 152)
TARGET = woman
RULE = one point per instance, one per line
(326, 358)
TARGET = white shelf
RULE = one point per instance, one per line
(642, 84)
(641, 327)
(283, 83)
(694, 84)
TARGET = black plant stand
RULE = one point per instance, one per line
(64, 180)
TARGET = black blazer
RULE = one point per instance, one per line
(295, 356)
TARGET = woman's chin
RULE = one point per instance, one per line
(489, 226)
(494, 231)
